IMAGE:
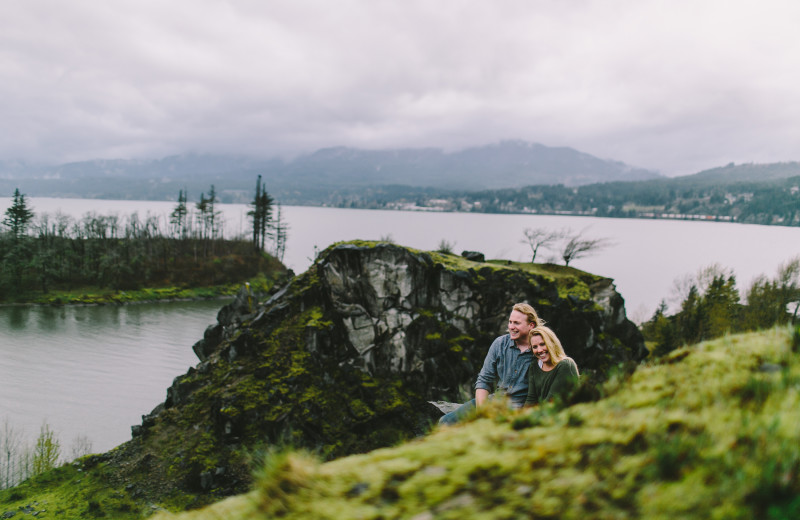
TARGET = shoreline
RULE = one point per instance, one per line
(111, 302)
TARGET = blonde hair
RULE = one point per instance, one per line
(530, 312)
(551, 342)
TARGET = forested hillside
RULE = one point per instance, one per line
(733, 193)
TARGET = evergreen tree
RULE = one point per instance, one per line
(661, 330)
(178, 216)
(202, 210)
(18, 215)
(689, 319)
(764, 307)
(212, 217)
(720, 308)
(261, 215)
(255, 215)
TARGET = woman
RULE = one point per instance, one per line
(553, 374)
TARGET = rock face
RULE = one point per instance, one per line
(345, 357)
(432, 317)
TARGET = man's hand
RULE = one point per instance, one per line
(480, 396)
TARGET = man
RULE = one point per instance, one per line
(506, 364)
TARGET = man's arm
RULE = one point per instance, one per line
(488, 374)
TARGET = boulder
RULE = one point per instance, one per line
(475, 256)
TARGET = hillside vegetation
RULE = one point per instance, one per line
(711, 431)
(756, 194)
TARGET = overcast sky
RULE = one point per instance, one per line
(677, 86)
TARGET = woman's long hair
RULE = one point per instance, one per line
(551, 342)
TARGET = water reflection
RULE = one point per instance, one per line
(17, 317)
(94, 370)
(50, 318)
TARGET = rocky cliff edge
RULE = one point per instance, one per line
(346, 357)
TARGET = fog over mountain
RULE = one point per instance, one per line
(308, 178)
(678, 87)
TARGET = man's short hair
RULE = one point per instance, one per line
(530, 312)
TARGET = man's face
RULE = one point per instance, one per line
(518, 326)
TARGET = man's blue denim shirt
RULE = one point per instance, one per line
(508, 367)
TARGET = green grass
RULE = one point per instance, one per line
(101, 296)
(705, 433)
(70, 492)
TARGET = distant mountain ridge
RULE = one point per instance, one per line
(309, 178)
(741, 173)
(506, 164)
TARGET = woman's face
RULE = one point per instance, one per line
(539, 349)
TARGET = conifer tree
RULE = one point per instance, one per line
(18, 215)
(202, 208)
(178, 216)
(261, 215)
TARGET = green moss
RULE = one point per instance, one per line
(697, 454)
(70, 491)
(98, 296)
(574, 287)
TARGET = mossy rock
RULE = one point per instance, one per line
(344, 358)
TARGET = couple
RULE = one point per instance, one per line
(508, 363)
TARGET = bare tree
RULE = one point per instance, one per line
(81, 445)
(700, 280)
(789, 284)
(576, 246)
(281, 234)
(540, 237)
(445, 247)
(10, 444)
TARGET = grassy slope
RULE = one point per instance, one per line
(713, 431)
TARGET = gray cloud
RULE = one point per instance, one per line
(672, 85)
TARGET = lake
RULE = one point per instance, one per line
(95, 370)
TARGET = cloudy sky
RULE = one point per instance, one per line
(674, 85)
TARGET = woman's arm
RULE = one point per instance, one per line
(533, 393)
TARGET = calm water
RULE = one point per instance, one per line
(95, 370)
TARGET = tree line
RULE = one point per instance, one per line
(711, 306)
(770, 202)
(45, 252)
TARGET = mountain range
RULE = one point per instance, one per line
(310, 178)
(334, 176)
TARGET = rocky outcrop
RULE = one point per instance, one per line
(346, 357)
(432, 317)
